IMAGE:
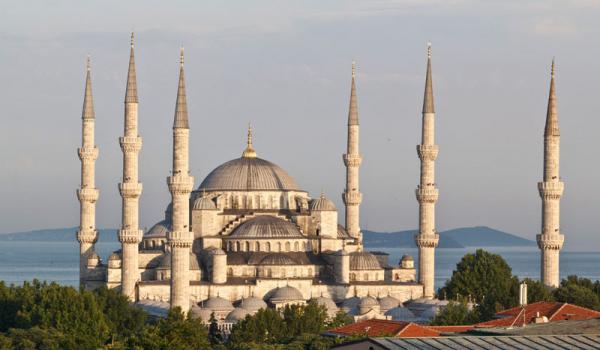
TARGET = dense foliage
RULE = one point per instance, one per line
(486, 279)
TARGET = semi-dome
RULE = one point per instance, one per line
(350, 302)
(400, 313)
(204, 203)
(368, 302)
(328, 303)
(217, 304)
(159, 230)
(266, 226)
(249, 174)
(363, 261)
(287, 293)
(322, 204)
(253, 304)
(165, 262)
(201, 313)
(237, 315)
(278, 259)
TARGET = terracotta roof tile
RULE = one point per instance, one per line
(374, 328)
(554, 311)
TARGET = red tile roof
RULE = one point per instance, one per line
(554, 311)
(452, 329)
(378, 328)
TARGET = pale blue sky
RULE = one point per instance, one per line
(285, 66)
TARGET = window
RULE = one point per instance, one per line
(287, 246)
(268, 247)
(247, 246)
(279, 246)
(237, 246)
(296, 246)
(257, 246)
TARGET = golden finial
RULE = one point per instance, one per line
(552, 70)
(353, 69)
(429, 49)
(249, 151)
(88, 63)
(181, 56)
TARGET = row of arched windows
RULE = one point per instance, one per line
(257, 246)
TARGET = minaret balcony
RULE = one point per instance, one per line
(551, 190)
(130, 236)
(352, 160)
(88, 195)
(352, 198)
(550, 242)
(180, 239)
(130, 144)
(180, 184)
(427, 152)
(427, 240)
(130, 189)
(88, 153)
(427, 194)
(87, 236)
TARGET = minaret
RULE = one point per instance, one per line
(352, 159)
(427, 193)
(551, 189)
(180, 185)
(88, 193)
(130, 234)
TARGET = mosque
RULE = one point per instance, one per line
(249, 237)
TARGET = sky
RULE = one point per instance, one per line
(284, 66)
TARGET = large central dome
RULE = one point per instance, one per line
(249, 174)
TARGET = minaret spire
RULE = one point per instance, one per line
(181, 112)
(130, 234)
(427, 193)
(249, 152)
(180, 185)
(352, 160)
(87, 235)
(550, 241)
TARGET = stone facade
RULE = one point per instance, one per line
(551, 240)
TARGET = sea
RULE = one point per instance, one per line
(58, 261)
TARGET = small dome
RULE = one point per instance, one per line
(204, 203)
(387, 303)
(350, 303)
(363, 261)
(328, 303)
(368, 302)
(286, 293)
(278, 259)
(322, 204)
(253, 304)
(159, 230)
(201, 313)
(407, 258)
(165, 262)
(217, 304)
(237, 315)
(266, 226)
(114, 256)
(94, 256)
(217, 251)
(400, 314)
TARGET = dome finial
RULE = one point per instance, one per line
(249, 152)
(132, 39)
(88, 63)
(429, 49)
(353, 69)
(181, 56)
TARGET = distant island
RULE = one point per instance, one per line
(479, 236)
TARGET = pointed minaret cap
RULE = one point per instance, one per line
(131, 95)
(249, 152)
(428, 98)
(552, 114)
(353, 109)
(88, 100)
(181, 113)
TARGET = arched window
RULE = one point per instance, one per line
(303, 246)
(237, 246)
(296, 246)
(268, 247)
(247, 246)
(257, 246)
(279, 246)
(229, 246)
(269, 274)
(230, 272)
(366, 277)
(287, 246)
(352, 276)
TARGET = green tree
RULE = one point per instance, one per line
(487, 278)
(214, 333)
(340, 319)
(454, 314)
(577, 294)
(264, 327)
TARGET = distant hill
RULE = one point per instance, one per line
(58, 234)
(479, 236)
